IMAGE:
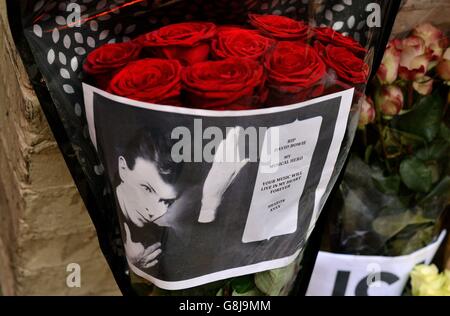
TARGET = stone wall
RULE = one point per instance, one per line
(44, 225)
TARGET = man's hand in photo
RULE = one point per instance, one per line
(138, 255)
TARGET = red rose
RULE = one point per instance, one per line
(187, 42)
(105, 61)
(232, 83)
(236, 42)
(326, 35)
(149, 80)
(281, 27)
(344, 62)
(295, 73)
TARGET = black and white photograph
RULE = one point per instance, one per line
(189, 219)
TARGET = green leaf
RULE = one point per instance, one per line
(437, 150)
(368, 153)
(391, 142)
(243, 284)
(252, 292)
(391, 225)
(425, 118)
(416, 175)
(388, 185)
(444, 133)
(273, 282)
(220, 292)
(407, 139)
(411, 239)
(209, 289)
(441, 190)
(396, 142)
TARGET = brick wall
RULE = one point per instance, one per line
(43, 223)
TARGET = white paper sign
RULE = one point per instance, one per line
(276, 194)
(346, 275)
(280, 182)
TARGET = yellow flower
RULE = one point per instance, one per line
(426, 281)
(425, 291)
(422, 274)
(447, 275)
(447, 282)
(434, 287)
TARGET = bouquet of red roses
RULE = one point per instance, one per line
(273, 61)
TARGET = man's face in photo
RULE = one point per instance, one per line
(145, 196)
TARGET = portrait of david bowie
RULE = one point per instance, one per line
(147, 188)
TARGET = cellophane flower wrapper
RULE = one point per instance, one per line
(210, 132)
(389, 207)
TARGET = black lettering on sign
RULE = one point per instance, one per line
(340, 284)
(362, 289)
